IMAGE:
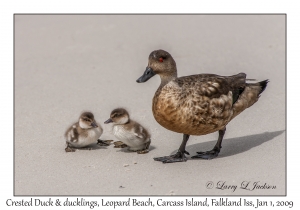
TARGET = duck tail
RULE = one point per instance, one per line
(249, 96)
(263, 85)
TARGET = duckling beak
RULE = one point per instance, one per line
(94, 125)
(147, 75)
(108, 121)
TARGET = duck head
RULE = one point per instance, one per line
(87, 121)
(162, 63)
(118, 116)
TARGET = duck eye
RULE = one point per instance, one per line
(161, 59)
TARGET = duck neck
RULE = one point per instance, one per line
(166, 78)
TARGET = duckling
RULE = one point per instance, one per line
(197, 104)
(83, 133)
(129, 132)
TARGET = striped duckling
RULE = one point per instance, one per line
(83, 133)
(130, 133)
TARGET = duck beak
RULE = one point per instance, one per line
(94, 125)
(147, 75)
(108, 121)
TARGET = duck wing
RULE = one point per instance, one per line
(140, 132)
(212, 85)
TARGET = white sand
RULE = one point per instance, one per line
(68, 64)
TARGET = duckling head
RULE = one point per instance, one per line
(87, 121)
(162, 63)
(118, 116)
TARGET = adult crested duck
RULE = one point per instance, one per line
(197, 104)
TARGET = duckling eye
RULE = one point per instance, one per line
(161, 59)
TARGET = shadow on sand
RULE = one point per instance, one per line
(233, 146)
(128, 151)
(95, 147)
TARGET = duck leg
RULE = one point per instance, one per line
(215, 151)
(146, 150)
(119, 144)
(69, 148)
(104, 142)
(179, 156)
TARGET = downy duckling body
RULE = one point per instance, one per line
(83, 133)
(129, 132)
(197, 104)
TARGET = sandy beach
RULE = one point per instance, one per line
(67, 64)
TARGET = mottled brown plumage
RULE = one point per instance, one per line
(197, 104)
